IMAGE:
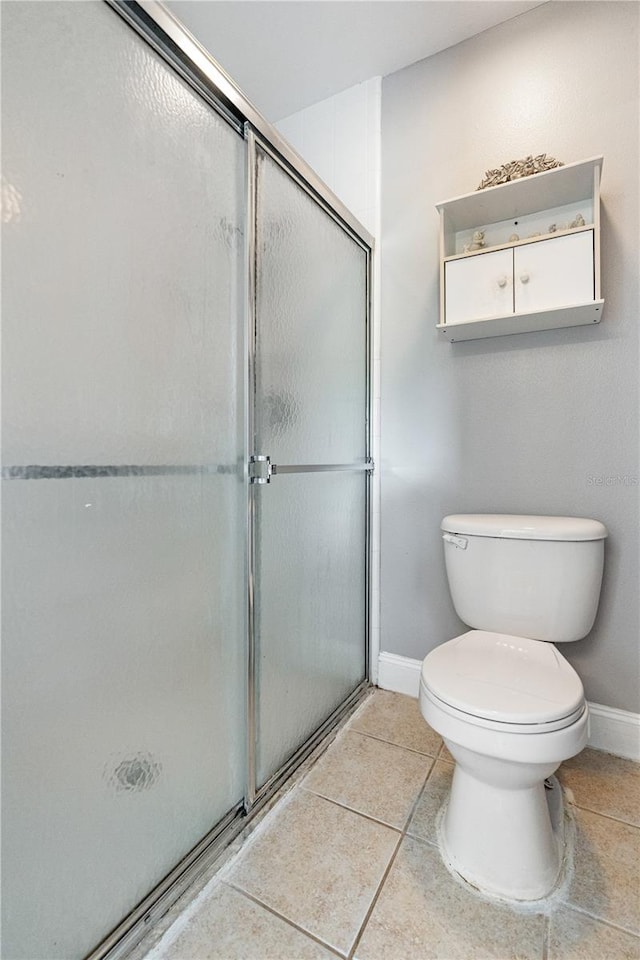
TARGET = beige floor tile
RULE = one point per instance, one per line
(606, 881)
(424, 914)
(397, 719)
(229, 926)
(378, 779)
(604, 784)
(576, 937)
(317, 864)
(437, 787)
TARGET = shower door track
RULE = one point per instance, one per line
(164, 33)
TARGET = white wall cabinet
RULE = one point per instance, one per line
(548, 279)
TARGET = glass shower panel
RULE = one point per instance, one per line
(311, 601)
(123, 500)
(310, 411)
(311, 359)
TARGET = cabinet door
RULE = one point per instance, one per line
(479, 287)
(554, 273)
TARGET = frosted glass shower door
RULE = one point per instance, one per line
(311, 420)
(124, 503)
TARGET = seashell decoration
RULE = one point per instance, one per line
(516, 169)
(477, 242)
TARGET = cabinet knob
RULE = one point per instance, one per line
(502, 282)
(524, 278)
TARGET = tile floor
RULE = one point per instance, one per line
(345, 865)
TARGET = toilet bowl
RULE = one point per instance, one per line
(508, 705)
(498, 831)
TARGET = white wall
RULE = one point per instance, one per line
(340, 138)
(512, 424)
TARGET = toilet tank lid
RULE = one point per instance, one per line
(524, 527)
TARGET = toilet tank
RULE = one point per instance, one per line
(536, 577)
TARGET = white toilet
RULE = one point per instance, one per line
(508, 705)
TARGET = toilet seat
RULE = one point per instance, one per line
(504, 682)
(524, 728)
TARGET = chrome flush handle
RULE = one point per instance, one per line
(459, 542)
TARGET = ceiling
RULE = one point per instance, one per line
(288, 54)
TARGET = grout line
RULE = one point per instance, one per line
(386, 873)
(358, 813)
(376, 896)
(421, 839)
(415, 836)
(393, 743)
(606, 816)
(415, 803)
(372, 736)
(592, 916)
(290, 923)
(406, 831)
(546, 938)
(442, 758)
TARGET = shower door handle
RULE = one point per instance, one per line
(321, 467)
(261, 469)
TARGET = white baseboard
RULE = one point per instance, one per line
(615, 731)
(400, 674)
(612, 730)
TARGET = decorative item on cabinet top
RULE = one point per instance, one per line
(516, 169)
(538, 266)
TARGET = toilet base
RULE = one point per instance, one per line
(502, 830)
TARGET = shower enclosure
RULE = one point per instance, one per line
(186, 469)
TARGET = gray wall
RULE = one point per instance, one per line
(513, 424)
